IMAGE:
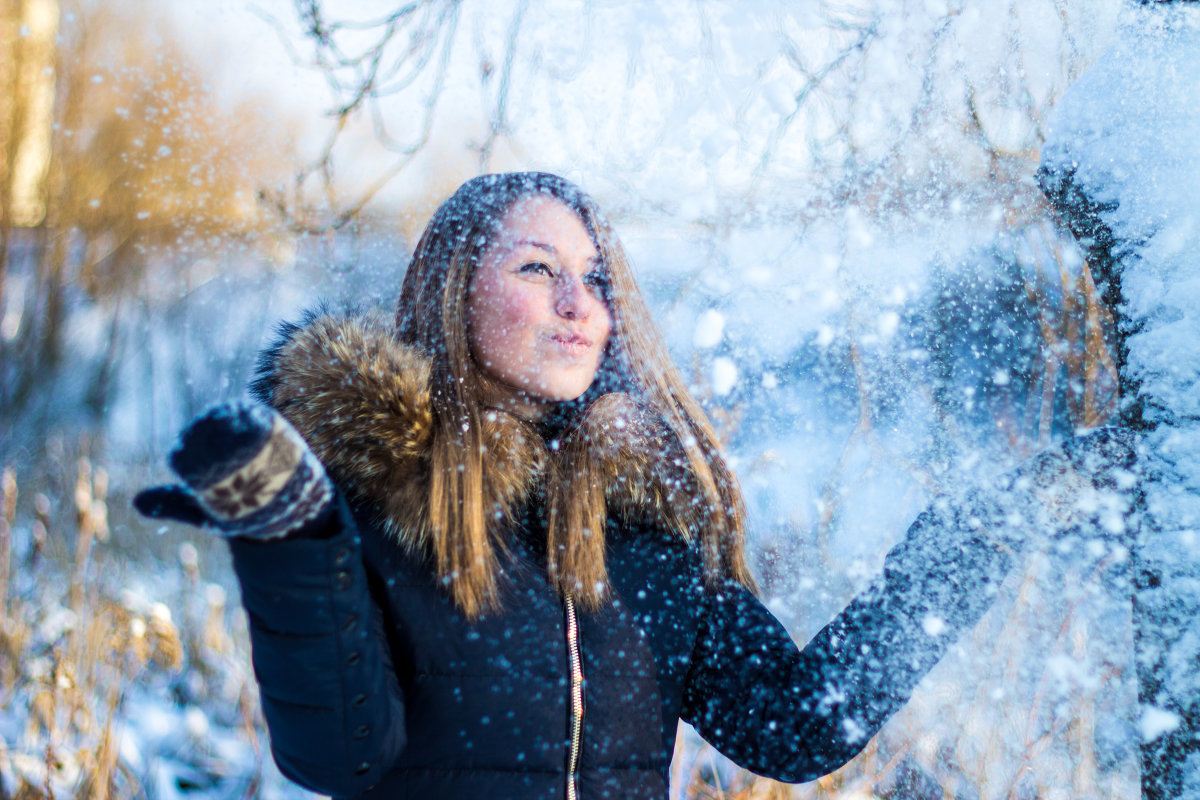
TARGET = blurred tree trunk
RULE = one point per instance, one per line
(139, 169)
(1089, 197)
(26, 106)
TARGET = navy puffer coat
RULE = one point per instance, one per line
(375, 685)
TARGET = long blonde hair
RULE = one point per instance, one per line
(431, 315)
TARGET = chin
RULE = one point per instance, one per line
(561, 392)
(564, 396)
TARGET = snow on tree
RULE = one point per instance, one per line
(1122, 164)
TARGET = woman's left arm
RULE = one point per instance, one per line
(797, 714)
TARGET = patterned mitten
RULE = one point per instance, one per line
(246, 473)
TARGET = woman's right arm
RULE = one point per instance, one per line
(327, 685)
(329, 690)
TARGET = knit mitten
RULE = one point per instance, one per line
(246, 472)
(1086, 485)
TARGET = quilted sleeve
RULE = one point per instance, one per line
(795, 714)
(328, 688)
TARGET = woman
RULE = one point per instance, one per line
(492, 548)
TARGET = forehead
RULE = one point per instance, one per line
(543, 220)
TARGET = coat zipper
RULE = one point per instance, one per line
(576, 664)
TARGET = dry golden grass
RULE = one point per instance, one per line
(74, 646)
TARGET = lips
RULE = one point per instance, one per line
(571, 342)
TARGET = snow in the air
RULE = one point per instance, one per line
(857, 283)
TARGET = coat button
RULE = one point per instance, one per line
(353, 658)
(361, 732)
(362, 768)
(359, 700)
(342, 556)
(350, 623)
(342, 581)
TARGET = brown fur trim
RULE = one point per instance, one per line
(362, 402)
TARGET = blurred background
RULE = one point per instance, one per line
(830, 205)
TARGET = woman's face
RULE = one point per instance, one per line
(537, 318)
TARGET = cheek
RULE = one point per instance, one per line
(606, 321)
(601, 324)
(518, 310)
(499, 320)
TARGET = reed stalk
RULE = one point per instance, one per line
(8, 515)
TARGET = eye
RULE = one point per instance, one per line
(597, 279)
(536, 268)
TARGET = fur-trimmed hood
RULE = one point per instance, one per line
(363, 403)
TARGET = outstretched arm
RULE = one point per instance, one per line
(796, 714)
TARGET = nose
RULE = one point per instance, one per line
(572, 300)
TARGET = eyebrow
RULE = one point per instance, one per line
(535, 243)
(597, 259)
